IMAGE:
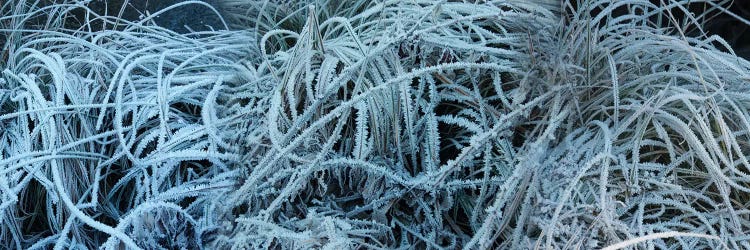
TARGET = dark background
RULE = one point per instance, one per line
(196, 17)
(733, 30)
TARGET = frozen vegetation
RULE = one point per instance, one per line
(375, 124)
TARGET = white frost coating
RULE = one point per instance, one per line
(374, 124)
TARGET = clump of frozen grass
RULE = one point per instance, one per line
(393, 115)
(98, 126)
(656, 142)
(422, 124)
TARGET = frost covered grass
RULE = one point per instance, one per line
(375, 124)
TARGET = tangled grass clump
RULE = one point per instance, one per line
(375, 124)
